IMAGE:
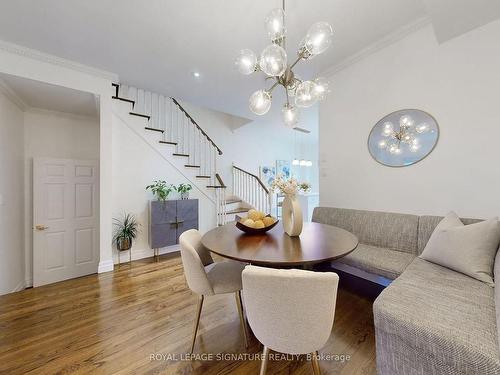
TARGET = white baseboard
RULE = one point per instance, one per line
(20, 286)
(105, 266)
(144, 253)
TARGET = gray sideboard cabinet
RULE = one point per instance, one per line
(169, 219)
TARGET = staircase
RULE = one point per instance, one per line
(172, 131)
(169, 128)
(248, 192)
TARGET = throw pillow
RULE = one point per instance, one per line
(469, 249)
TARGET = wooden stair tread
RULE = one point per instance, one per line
(124, 100)
(216, 187)
(140, 115)
(155, 130)
(238, 210)
(203, 176)
(168, 143)
(192, 166)
(230, 201)
(177, 154)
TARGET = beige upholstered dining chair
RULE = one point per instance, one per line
(290, 311)
(207, 278)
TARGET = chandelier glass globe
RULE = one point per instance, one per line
(275, 24)
(422, 128)
(321, 88)
(406, 122)
(246, 61)
(290, 116)
(304, 95)
(318, 38)
(382, 144)
(260, 102)
(394, 149)
(414, 147)
(387, 129)
(408, 138)
(273, 60)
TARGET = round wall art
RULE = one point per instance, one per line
(403, 138)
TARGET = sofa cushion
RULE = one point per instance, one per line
(432, 320)
(377, 260)
(427, 224)
(382, 229)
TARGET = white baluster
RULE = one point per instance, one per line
(162, 112)
(168, 118)
(147, 103)
(132, 95)
(153, 98)
(140, 101)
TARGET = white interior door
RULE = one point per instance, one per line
(65, 219)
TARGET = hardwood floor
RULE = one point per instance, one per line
(113, 323)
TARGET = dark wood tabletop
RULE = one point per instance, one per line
(317, 243)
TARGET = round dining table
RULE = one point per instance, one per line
(317, 243)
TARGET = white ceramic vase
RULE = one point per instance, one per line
(292, 215)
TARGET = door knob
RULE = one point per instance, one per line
(41, 227)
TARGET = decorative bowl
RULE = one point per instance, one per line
(249, 230)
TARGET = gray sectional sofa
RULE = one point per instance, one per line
(430, 319)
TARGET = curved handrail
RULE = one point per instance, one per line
(254, 176)
(195, 124)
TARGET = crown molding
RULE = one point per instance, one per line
(68, 115)
(12, 96)
(386, 41)
(55, 60)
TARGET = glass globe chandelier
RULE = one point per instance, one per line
(273, 61)
(405, 135)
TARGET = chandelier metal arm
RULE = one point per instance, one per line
(273, 86)
(300, 57)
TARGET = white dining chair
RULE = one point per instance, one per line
(207, 278)
(290, 311)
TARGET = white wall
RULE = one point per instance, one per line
(11, 197)
(458, 82)
(55, 135)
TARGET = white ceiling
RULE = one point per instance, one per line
(451, 18)
(34, 94)
(157, 44)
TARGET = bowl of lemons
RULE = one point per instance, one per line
(256, 222)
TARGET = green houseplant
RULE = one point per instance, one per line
(183, 190)
(126, 230)
(160, 189)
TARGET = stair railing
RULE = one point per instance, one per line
(220, 201)
(178, 128)
(251, 189)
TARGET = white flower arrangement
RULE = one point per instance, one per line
(289, 186)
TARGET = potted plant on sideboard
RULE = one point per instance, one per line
(126, 231)
(183, 190)
(160, 189)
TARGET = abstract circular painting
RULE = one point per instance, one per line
(403, 138)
